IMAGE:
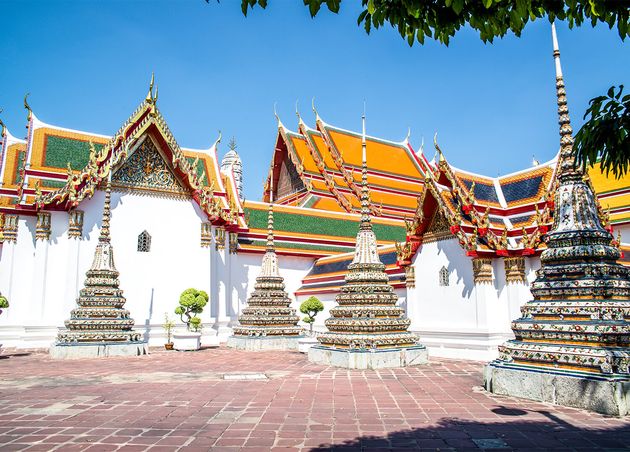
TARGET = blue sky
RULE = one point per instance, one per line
(87, 66)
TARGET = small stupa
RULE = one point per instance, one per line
(99, 326)
(572, 345)
(268, 322)
(367, 330)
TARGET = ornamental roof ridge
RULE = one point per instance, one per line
(400, 144)
(548, 164)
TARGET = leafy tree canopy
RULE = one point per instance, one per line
(606, 134)
(311, 306)
(191, 303)
(417, 20)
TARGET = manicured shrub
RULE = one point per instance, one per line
(191, 303)
(311, 306)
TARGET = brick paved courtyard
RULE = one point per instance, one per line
(227, 400)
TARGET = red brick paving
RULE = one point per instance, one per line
(171, 401)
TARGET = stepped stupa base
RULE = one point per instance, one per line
(261, 343)
(603, 394)
(369, 359)
(98, 350)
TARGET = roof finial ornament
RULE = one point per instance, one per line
(535, 162)
(297, 112)
(437, 148)
(28, 107)
(314, 109)
(156, 95)
(232, 144)
(218, 140)
(406, 140)
(421, 150)
(149, 98)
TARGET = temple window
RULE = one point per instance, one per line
(144, 242)
(444, 276)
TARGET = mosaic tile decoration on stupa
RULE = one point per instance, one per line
(579, 319)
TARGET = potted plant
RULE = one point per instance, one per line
(168, 327)
(191, 303)
(311, 307)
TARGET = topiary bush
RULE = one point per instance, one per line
(191, 303)
(311, 306)
(4, 303)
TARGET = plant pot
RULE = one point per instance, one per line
(305, 343)
(187, 341)
(168, 346)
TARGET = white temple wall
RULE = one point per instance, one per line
(462, 320)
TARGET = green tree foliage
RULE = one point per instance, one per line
(606, 133)
(311, 306)
(604, 136)
(191, 303)
(417, 20)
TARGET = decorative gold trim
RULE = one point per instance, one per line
(219, 238)
(482, 270)
(206, 235)
(75, 224)
(233, 239)
(42, 228)
(10, 228)
(515, 270)
(410, 276)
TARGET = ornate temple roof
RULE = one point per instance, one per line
(319, 168)
(56, 168)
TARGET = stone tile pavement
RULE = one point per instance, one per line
(229, 400)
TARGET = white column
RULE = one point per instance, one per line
(220, 278)
(72, 278)
(73, 247)
(516, 286)
(40, 269)
(235, 303)
(39, 281)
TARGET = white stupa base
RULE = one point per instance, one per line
(259, 343)
(607, 395)
(102, 350)
(369, 359)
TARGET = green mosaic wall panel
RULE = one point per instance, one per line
(60, 151)
(322, 226)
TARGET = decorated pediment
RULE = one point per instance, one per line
(438, 228)
(147, 170)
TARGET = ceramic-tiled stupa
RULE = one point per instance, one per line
(100, 326)
(571, 346)
(366, 328)
(268, 322)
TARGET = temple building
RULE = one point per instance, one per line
(459, 249)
